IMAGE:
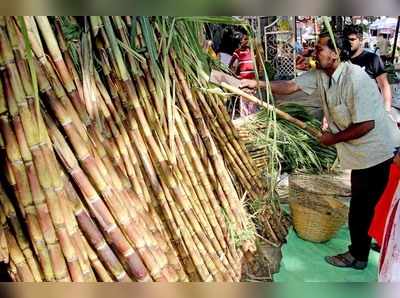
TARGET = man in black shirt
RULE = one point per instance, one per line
(371, 63)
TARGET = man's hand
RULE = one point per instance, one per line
(277, 87)
(328, 139)
(249, 84)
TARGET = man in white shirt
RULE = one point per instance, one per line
(358, 125)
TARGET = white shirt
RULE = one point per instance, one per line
(351, 96)
(225, 58)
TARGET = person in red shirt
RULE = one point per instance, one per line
(385, 226)
(246, 70)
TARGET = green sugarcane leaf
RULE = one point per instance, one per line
(329, 28)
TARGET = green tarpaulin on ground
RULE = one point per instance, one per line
(304, 261)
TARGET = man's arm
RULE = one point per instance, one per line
(277, 87)
(284, 87)
(354, 131)
(378, 69)
(384, 86)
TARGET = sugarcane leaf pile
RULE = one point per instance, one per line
(116, 165)
(297, 150)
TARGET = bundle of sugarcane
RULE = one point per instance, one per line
(118, 166)
(258, 152)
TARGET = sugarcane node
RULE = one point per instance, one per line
(102, 245)
(111, 228)
(121, 276)
(93, 200)
(72, 259)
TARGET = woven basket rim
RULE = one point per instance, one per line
(295, 180)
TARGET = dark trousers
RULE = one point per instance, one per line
(367, 186)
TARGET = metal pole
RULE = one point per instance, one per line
(395, 39)
(315, 29)
(294, 46)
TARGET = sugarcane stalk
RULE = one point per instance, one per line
(55, 53)
(225, 139)
(17, 257)
(47, 74)
(94, 235)
(131, 202)
(4, 250)
(26, 202)
(46, 176)
(136, 266)
(187, 193)
(101, 271)
(10, 214)
(64, 46)
(164, 138)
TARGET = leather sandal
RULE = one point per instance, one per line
(346, 260)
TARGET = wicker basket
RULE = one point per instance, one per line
(316, 216)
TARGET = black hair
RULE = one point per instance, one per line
(353, 29)
(243, 31)
(342, 44)
(228, 42)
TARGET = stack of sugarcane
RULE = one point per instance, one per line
(258, 152)
(117, 165)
